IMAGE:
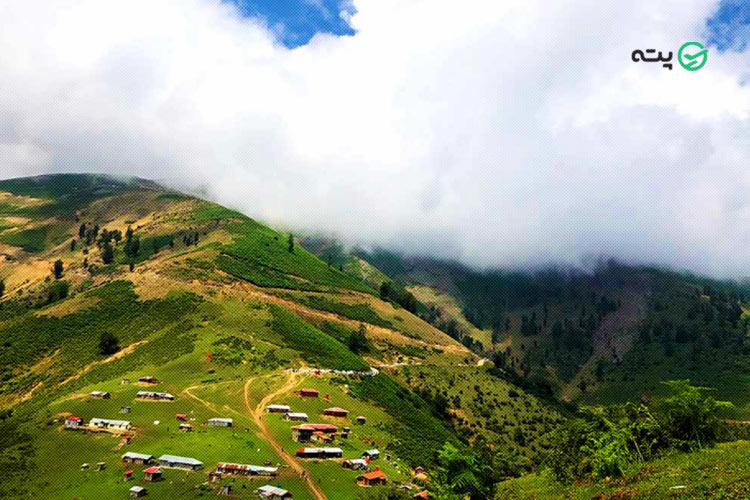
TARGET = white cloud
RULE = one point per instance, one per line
(501, 133)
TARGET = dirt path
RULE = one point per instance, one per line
(257, 414)
(119, 354)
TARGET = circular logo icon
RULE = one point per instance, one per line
(692, 56)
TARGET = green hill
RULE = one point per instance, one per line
(106, 281)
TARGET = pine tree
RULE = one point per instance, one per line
(58, 269)
(108, 254)
(291, 243)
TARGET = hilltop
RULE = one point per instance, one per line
(107, 281)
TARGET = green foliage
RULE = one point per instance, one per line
(606, 443)
(35, 239)
(260, 256)
(358, 341)
(390, 492)
(689, 415)
(361, 311)
(314, 345)
(108, 254)
(58, 269)
(463, 474)
(57, 291)
(108, 343)
(420, 435)
(117, 309)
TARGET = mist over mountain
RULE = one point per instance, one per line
(488, 134)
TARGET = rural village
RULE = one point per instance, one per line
(317, 440)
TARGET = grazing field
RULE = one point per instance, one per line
(722, 472)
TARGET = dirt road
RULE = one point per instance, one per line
(257, 414)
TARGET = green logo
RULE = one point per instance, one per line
(691, 59)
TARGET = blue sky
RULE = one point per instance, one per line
(729, 27)
(296, 21)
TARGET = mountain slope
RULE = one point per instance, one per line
(107, 281)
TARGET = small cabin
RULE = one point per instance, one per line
(127, 475)
(296, 417)
(148, 380)
(278, 409)
(152, 474)
(73, 423)
(181, 417)
(246, 470)
(421, 495)
(125, 409)
(137, 492)
(308, 393)
(269, 492)
(320, 453)
(320, 437)
(361, 420)
(175, 462)
(371, 454)
(355, 464)
(99, 395)
(335, 412)
(220, 422)
(105, 423)
(304, 432)
(137, 458)
(185, 427)
(154, 396)
(373, 478)
(225, 490)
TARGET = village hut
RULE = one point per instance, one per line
(107, 424)
(175, 462)
(220, 422)
(278, 409)
(308, 393)
(304, 432)
(152, 474)
(269, 492)
(296, 417)
(137, 492)
(246, 470)
(355, 464)
(335, 412)
(137, 458)
(73, 422)
(373, 478)
(320, 453)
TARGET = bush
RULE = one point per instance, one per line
(605, 442)
(108, 344)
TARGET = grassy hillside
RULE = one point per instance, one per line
(106, 281)
(605, 336)
(720, 472)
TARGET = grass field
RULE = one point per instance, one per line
(722, 473)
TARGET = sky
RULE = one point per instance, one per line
(503, 134)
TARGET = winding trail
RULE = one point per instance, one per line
(257, 414)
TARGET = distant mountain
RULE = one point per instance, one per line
(603, 336)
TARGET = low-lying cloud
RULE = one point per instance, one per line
(499, 133)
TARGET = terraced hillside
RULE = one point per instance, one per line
(107, 281)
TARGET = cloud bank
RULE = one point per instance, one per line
(500, 133)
